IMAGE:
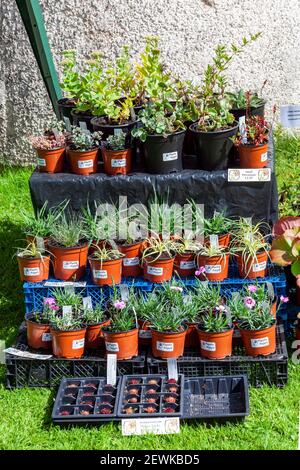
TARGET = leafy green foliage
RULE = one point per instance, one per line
(215, 321)
(206, 297)
(68, 231)
(41, 224)
(238, 99)
(83, 141)
(116, 142)
(65, 297)
(67, 322)
(94, 316)
(257, 318)
(218, 224)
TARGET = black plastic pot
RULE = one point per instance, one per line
(189, 144)
(79, 117)
(99, 124)
(238, 113)
(65, 107)
(212, 148)
(164, 154)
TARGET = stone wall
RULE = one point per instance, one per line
(189, 30)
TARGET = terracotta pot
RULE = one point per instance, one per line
(274, 307)
(69, 263)
(106, 273)
(97, 244)
(117, 162)
(83, 163)
(253, 156)
(216, 267)
(215, 345)
(145, 333)
(34, 269)
(50, 161)
(38, 335)
(191, 339)
(168, 345)
(69, 344)
(185, 264)
(32, 239)
(223, 240)
(158, 271)
(260, 342)
(124, 344)
(254, 268)
(94, 338)
(131, 262)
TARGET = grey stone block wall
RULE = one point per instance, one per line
(189, 30)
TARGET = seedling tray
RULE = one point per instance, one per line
(140, 392)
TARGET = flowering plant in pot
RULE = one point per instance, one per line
(216, 125)
(116, 155)
(34, 263)
(217, 230)
(121, 335)
(145, 307)
(106, 265)
(191, 315)
(158, 259)
(94, 319)
(215, 333)
(82, 148)
(38, 325)
(213, 263)
(50, 151)
(240, 104)
(69, 248)
(130, 244)
(185, 259)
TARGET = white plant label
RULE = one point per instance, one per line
(46, 337)
(19, 353)
(117, 131)
(85, 164)
(155, 271)
(166, 347)
(65, 284)
(260, 342)
(100, 274)
(214, 241)
(83, 126)
(242, 123)
(78, 343)
(67, 310)
(131, 261)
(124, 291)
(71, 265)
(208, 346)
(41, 162)
(170, 157)
(187, 265)
(67, 123)
(158, 426)
(247, 175)
(111, 374)
(145, 334)
(118, 163)
(40, 243)
(172, 368)
(259, 266)
(112, 347)
(32, 272)
(210, 269)
(87, 303)
(264, 157)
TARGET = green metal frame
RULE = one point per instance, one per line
(32, 16)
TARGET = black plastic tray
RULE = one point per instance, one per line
(71, 399)
(161, 392)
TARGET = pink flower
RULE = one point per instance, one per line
(49, 301)
(200, 271)
(252, 289)
(119, 304)
(221, 308)
(249, 302)
(284, 299)
(177, 288)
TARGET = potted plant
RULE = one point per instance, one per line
(98, 227)
(145, 306)
(38, 326)
(69, 84)
(158, 259)
(33, 263)
(106, 265)
(215, 333)
(191, 315)
(217, 230)
(94, 320)
(121, 335)
(239, 106)
(82, 148)
(69, 248)
(162, 134)
(216, 125)
(285, 249)
(185, 259)
(116, 155)
(131, 246)
(213, 263)
(50, 151)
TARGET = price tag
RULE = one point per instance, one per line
(124, 291)
(87, 303)
(158, 426)
(214, 241)
(65, 284)
(172, 369)
(40, 243)
(67, 123)
(67, 310)
(111, 377)
(247, 175)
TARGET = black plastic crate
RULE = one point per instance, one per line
(261, 370)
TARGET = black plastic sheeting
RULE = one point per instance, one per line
(257, 200)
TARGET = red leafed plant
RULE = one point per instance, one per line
(44, 143)
(285, 249)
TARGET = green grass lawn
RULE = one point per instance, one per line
(25, 414)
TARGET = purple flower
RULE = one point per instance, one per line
(252, 289)
(249, 302)
(49, 301)
(200, 270)
(284, 299)
(119, 304)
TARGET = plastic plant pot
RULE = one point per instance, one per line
(106, 273)
(33, 269)
(117, 162)
(168, 345)
(274, 307)
(259, 342)
(94, 338)
(84, 118)
(253, 156)
(241, 112)
(164, 154)
(69, 263)
(65, 107)
(38, 335)
(131, 261)
(123, 344)
(254, 267)
(51, 161)
(83, 163)
(159, 270)
(100, 124)
(145, 333)
(68, 344)
(185, 264)
(216, 267)
(191, 339)
(215, 345)
(223, 240)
